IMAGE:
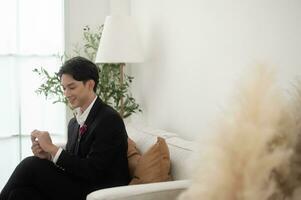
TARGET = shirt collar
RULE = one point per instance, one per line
(81, 117)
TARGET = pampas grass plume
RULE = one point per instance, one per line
(239, 161)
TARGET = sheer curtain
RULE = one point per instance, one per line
(31, 36)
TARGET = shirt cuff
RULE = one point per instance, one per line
(57, 155)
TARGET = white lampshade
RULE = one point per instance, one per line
(119, 42)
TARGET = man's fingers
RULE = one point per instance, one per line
(34, 135)
(35, 144)
(32, 138)
(36, 148)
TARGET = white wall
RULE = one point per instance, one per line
(196, 51)
(79, 13)
(120, 7)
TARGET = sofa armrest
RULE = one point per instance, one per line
(159, 191)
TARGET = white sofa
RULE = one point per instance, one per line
(181, 152)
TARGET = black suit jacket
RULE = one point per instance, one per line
(101, 159)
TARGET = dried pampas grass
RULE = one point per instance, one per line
(251, 154)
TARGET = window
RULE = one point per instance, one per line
(31, 36)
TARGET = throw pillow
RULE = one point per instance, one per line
(133, 156)
(154, 165)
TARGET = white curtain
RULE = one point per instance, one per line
(31, 36)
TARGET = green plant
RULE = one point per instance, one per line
(110, 90)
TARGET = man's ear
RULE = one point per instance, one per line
(91, 84)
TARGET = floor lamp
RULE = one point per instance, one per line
(119, 44)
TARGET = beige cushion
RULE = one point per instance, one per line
(133, 156)
(152, 166)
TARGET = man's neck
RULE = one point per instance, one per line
(89, 101)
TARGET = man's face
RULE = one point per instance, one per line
(75, 91)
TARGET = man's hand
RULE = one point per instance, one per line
(44, 141)
(38, 151)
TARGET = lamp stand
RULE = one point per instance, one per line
(121, 68)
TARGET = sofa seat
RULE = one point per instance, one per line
(181, 156)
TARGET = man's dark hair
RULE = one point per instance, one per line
(81, 69)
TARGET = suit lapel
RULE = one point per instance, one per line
(98, 104)
(72, 135)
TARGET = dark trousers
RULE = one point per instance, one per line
(39, 179)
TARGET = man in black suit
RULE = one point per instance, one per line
(95, 156)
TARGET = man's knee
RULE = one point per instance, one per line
(28, 161)
(32, 162)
